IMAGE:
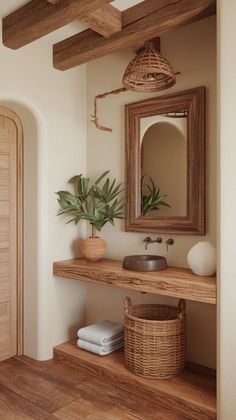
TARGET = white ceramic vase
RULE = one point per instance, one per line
(202, 259)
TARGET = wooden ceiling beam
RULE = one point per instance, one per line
(106, 21)
(40, 17)
(142, 22)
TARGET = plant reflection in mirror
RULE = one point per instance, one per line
(151, 199)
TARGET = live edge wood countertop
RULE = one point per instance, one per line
(176, 282)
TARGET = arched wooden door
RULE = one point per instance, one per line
(11, 299)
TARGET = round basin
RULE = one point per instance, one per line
(144, 263)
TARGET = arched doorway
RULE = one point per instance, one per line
(11, 279)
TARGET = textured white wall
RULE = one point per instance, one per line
(192, 51)
(227, 211)
(52, 107)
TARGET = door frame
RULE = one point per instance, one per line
(8, 113)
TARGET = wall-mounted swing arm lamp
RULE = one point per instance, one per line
(148, 71)
(103, 95)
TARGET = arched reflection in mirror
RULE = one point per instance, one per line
(164, 164)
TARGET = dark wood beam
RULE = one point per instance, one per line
(142, 22)
(40, 17)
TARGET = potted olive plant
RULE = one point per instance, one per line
(97, 202)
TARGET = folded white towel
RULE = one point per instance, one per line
(100, 350)
(102, 333)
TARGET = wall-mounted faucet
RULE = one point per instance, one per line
(169, 242)
(148, 240)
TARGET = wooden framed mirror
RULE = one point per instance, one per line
(165, 164)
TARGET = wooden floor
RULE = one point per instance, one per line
(51, 390)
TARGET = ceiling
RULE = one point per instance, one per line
(8, 6)
(74, 45)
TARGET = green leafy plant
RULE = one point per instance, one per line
(151, 199)
(96, 202)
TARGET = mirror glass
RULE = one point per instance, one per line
(163, 142)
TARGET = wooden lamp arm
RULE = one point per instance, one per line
(103, 95)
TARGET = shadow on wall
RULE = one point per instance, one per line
(31, 133)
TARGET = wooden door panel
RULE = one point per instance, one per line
(4, 193)
(10, 232)
(4, 289)
(4, 329)
(4, 146)
(4, 177)
(4, 208)
(4, 225)
(4, 237)
(5, 336)
(4, 254)
(4, 161)
(5, 243)
(5, 270)
(4, 132)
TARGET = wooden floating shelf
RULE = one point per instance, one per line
(176, 282)
(191, 395)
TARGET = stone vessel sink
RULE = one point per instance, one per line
(144, 263)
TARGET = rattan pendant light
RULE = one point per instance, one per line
(149, 71)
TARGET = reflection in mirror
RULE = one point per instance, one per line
(164, 165)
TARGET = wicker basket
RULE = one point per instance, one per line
(155, 339)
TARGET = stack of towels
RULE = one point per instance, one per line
(102, 338)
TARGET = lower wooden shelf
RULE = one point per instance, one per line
(192, 394)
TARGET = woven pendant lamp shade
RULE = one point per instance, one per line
(149, 71)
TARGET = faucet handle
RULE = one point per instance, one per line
(147, 241)
(169, 242)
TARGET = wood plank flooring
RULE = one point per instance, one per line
(51, 390)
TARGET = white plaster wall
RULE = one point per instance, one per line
(192, 51)
(52, 107)
(227, 210)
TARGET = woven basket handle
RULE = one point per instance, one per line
(181, 308)
(127, 302)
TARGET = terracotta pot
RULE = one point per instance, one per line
(93, 249)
